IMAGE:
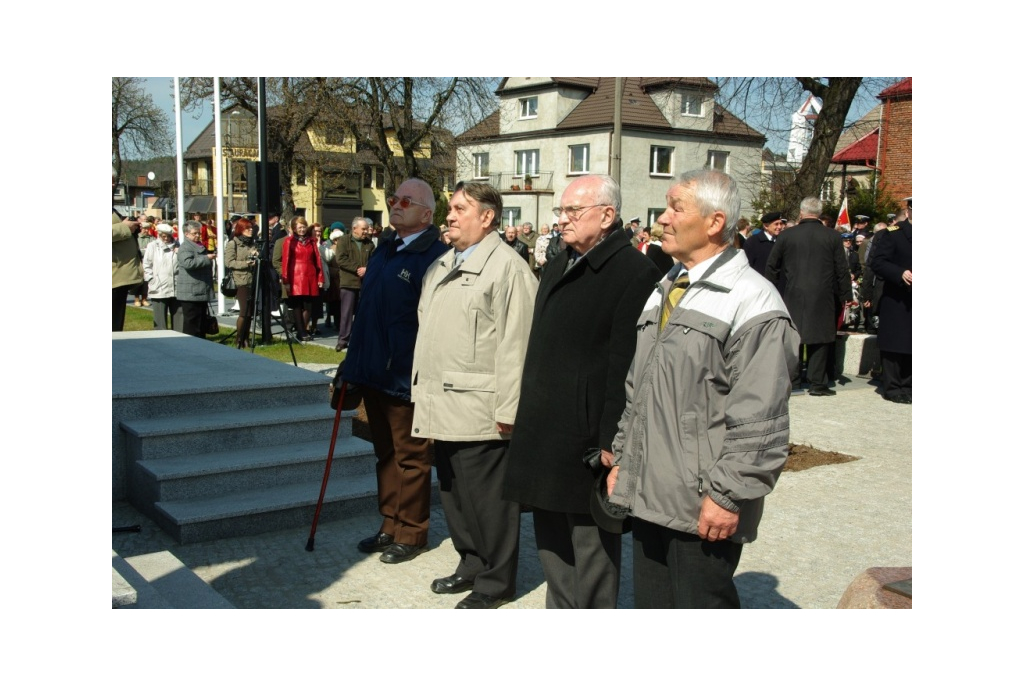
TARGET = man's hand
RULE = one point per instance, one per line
(908, 277)
(613, 477)
(607, 459)
(361, 271)
(716, 523)
(504, 428)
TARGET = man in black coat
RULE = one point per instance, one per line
(759, 245)
(891, 261)
(810, 257)
(573, 390)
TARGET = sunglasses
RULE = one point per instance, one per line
(403, 202)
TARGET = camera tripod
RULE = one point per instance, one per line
(263, 298)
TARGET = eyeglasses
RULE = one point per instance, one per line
(403, 202)
(573, 212)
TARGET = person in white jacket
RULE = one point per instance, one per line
(158, 267)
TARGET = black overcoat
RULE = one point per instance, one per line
(890, 257)
(757, 248)
(573, 390)
(809, 257)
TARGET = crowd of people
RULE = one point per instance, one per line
(667, 353)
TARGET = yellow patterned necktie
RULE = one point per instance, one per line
(675, 293)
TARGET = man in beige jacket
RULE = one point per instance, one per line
(125, 266)
(475, 314)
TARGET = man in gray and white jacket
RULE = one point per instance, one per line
(705, 432)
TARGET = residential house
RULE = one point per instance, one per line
(333, 177)
(548, 130)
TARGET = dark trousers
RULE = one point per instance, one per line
(484, 527)
(347, 299)
(120, 305)
(820, 364)
(896, 374)
(164, 306)
(403, 468)
(674, 570)
(581, 561)
(193, 314)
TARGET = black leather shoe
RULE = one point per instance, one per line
(478, 600)
(398, 552)
(900, 399)
(821, 392)
(451, 585)
(376, 543)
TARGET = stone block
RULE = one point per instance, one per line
(868, 591)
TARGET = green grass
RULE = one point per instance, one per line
(139, 319)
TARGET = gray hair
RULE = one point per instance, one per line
(609, 193)
(528, 225)
(191, 225)
(363, 219)
(714, 191)
(485, 195)
(811, 206)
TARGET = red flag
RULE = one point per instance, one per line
(844, 216)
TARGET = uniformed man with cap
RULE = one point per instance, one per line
(890, 260)
(860, 226)
(759, 245)
(634, 231)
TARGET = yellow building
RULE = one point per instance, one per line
(332, 179)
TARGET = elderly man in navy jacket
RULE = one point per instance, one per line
(380, 362)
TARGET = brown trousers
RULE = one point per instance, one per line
(403, 468)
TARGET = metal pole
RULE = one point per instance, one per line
(264, 203)
(218, 174)
(616, 171)
(180, 196)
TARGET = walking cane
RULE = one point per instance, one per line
(327, 468)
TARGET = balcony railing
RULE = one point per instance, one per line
(510, 182)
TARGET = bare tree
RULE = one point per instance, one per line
(139, 127)
(767, 103)
(293, 105)
(414, 113)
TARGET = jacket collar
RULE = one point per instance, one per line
(603, 251)
(722, 275)
(422, 243)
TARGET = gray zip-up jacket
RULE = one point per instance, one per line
(707, 400)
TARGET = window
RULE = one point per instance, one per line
(368, 176)
(661, 161)
(692, 104)
(579, 159)
(481, 165)
(333, 136)
(511, 216)
(300, 174)
(718, 160)
(527, 108)
(527, 162)
(653, 214)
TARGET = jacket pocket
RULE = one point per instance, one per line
(453, 381)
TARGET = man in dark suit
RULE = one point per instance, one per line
(759, 245)
(573, 393)
(810, 260)
(890, 260)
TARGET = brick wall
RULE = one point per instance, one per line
(897, 148)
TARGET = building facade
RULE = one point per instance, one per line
(549, 130)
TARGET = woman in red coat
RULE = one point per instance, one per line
(302, 274)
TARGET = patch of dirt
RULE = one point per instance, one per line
(801, 457)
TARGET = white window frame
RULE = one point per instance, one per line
(527, 162)
(511, 216)
(585, 147)
(525, 107)
(653, 214)
(481, 170)
(655, 157)
(689, 99)
(713, 154)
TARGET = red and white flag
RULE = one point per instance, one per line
(844, 216)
